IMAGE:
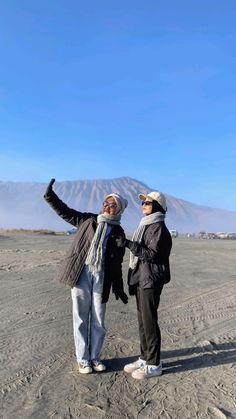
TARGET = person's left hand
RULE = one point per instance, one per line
(123, 296)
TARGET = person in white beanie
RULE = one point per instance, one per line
(149, 270)
(91, 268)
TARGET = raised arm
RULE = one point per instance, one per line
(68, 214)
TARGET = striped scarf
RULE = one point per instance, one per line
(95, 254)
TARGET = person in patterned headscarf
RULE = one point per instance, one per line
(91, 268)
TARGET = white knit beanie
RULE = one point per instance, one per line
(120, 202)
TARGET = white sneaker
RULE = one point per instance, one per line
(84, 368)
(134, 366)
(147, 371)
(98, 366)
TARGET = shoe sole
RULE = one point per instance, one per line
(82, 371)
(98, 369)
(130, 371)
(147, 376)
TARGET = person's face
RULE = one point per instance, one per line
(109, 206)
(147, 207)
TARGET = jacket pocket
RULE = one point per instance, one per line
(161, 272)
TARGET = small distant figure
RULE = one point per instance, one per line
(149, 270)
(93, 265)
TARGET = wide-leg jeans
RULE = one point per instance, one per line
(88, 315)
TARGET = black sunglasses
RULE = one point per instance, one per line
(146, 203)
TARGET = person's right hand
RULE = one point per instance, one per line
(121, 241)
(49, 187)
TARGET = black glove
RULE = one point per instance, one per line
(49, 187)
(121, 241)
(132, 289)
(122, 295)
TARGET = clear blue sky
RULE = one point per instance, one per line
(102, 89)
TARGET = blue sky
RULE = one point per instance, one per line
(145, 89)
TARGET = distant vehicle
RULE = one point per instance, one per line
(222, 235)
(231, 236)
(190, 234)
(72, 231)
(174, 233)
(211, 236)
(202, 235)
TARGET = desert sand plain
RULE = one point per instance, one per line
(38, 376)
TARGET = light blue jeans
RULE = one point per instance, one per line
(88, 316)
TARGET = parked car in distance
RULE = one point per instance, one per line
(202, 235)
(72, 231)
(211, 236)
(174, 233)
(222, 235)
(231, 236)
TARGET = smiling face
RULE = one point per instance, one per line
(109, 206)
(147, 207)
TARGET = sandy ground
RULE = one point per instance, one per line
(38, 377)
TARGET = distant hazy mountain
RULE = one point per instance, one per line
(22, 205)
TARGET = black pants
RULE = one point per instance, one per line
(149, 331)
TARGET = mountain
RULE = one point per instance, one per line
(22, 205)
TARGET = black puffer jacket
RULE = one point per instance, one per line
(152, 269)
(74, 261)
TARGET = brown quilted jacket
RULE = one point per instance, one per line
(72, 265)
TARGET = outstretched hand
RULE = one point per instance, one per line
(52, 181)
(49, 187)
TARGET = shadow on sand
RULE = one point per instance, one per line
(187, 358)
